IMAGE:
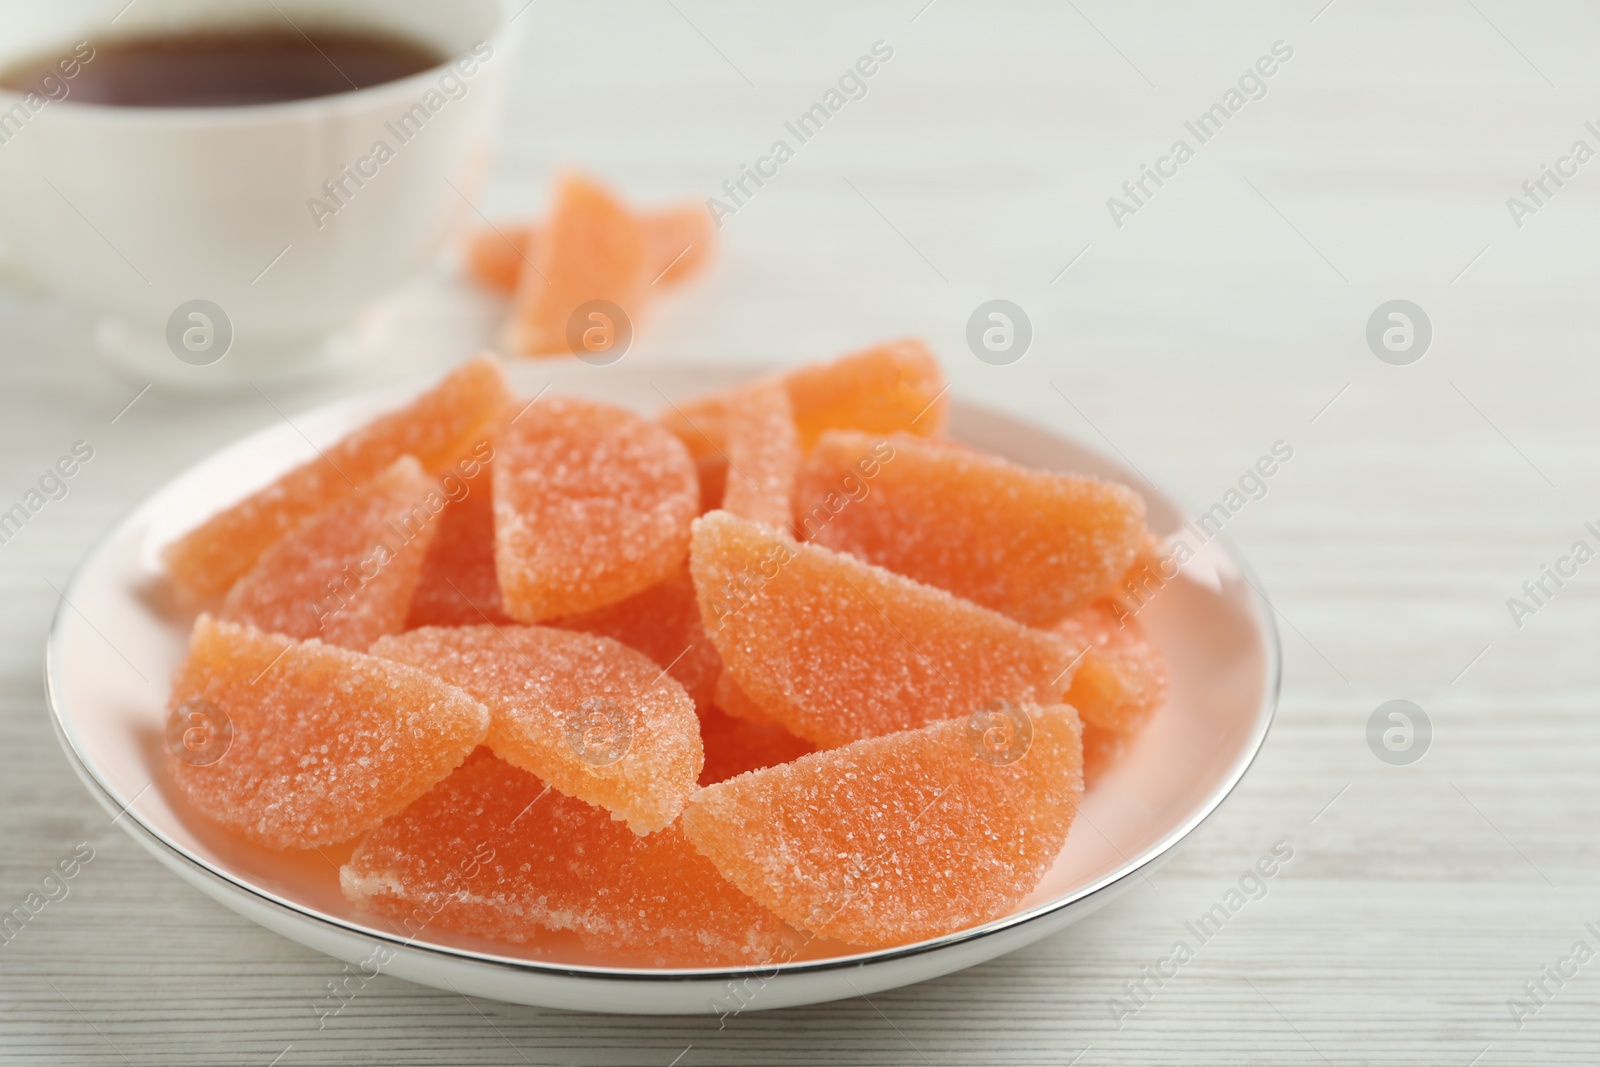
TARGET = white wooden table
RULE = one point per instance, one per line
(1227, 313)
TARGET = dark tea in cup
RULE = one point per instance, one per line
(230, 67)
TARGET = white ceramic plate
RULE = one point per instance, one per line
(116, 639)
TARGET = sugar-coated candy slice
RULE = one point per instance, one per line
(836, 649)
(1034, 545)
(592, 504)
(491, 851)
(903, 837)
(458, 585)
(763, 455)
(592, 248)
(737, 703)
(494, 255)
(892, 387)
(1149, 555)
(897, 386)
(663, 622)
(734, 746)
(1102, 749)
(1149, 571)
(325, 743)
(1121, 677)
(678, 244)
(347, 576)
(592, 717)
(712, 473)
(436, 427)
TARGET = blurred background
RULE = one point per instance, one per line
(1227, 310)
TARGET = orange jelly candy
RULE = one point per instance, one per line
(491, 851)
(593, 718)
(904, 837)
(436, 427)
(346, 577)
(592, 248)
(663, 622)
(763, 455)
(592, 505)
(495, 255)
(458, 585)
(734, 746)
(1121, 678)
(301, 744)
(1145, 576)
(737, 703)
(1102, 749)
(712, 473)
(678, 243)
(837, 650)
(1034, 545)
(888, 388)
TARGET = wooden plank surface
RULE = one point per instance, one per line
(1226, 314)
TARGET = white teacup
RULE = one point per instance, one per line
(290, 218)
